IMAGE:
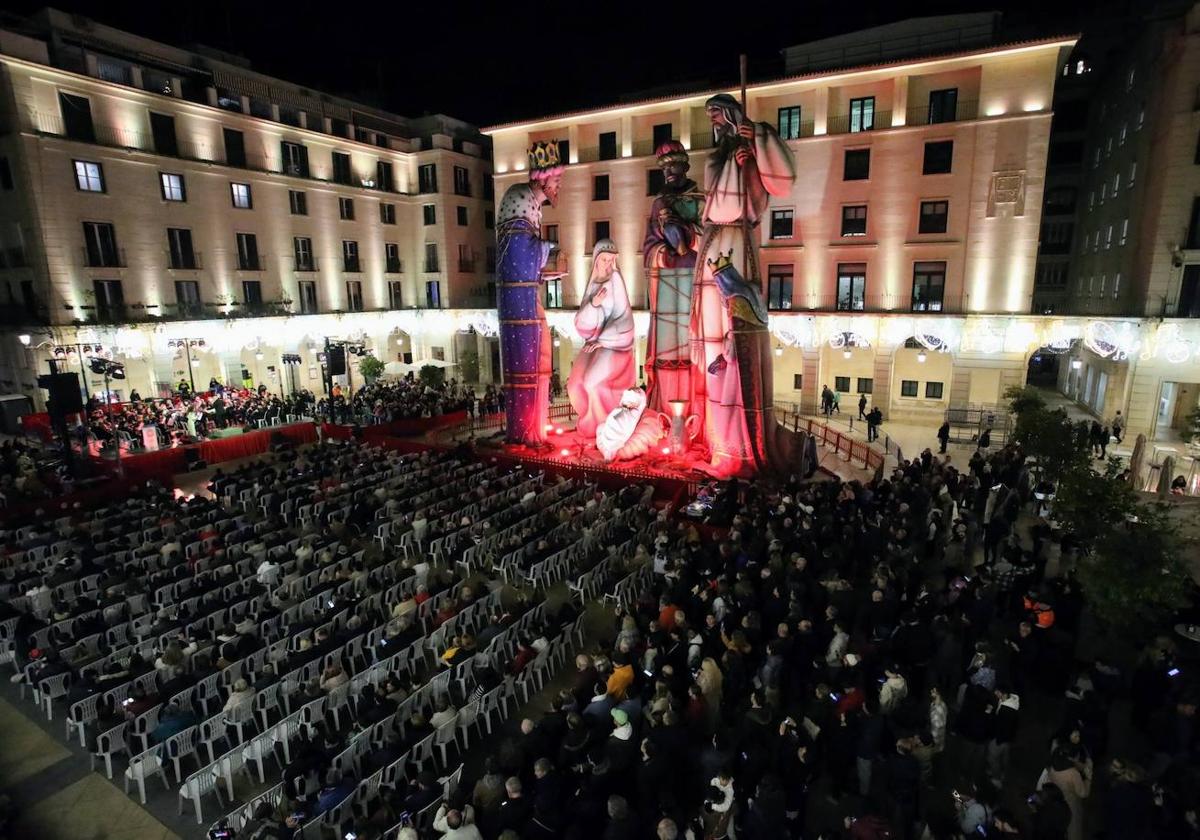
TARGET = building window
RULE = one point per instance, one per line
(933, 390)
(241, 196)
(489, 188)
(247, 250)
(661, 134)
(387, 214)
(438, 354)
(1124, 230)
(939, 157)
(308, 297)
(384, 178)
(100, 245)
(461, 213)
(1132, 173)
(431, 258)
(841, 384)
(550, 233)
(110, 300)
(1116, 285)
(943, 105)
(656, 180)
(933, 216)
(235, 147)
(298, 202)
(857, 165)
(779, 287)
(252, 295)
(782, 223)
(77, 117)
(6, 178)
(89, 177)
(429, 214)
(395, 295)
(489, 256)
(302, 251)
(600, 188)
(862, 114)
(851, 287)
(789, 122)
(179, 248)
(346, 208)
(489, 219)
(433, 294)
(554, 295)
(1108, 237)
(427, 178)
(341, 169)
(908, 387)
(295, 159)
(601, 231)
(172, 187)
(797, 381)
(929, 286)
(354, 296)
(350, 260)
(608, 145)
(391, 258)
(866, 385)
(462, 181)
(854, 220)
(187, 297)
(1103, 191)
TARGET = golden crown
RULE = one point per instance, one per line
(722, 261)
(544, 155)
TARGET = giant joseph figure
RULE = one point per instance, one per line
(521, 256)
(731, 346)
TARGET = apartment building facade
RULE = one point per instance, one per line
(900, 266)
(1136, 256)
(152, 199)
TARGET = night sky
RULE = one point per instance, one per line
(495, 62)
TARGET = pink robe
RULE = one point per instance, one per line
(599, 378)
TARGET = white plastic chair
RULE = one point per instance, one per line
(239, 716)
(142, 765)
(443, 738)
(50, 690)
(108, 744)
(179, 746)
(197, 786)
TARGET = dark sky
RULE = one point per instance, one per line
(495, 62)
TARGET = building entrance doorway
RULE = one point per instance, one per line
(1175, 401)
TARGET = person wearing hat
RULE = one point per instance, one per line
(605, 367)
(521, 256)
(669, 254)
(621, 750)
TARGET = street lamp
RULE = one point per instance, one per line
(187, 344)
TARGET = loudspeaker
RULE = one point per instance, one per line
(336, 361)
(64, 397)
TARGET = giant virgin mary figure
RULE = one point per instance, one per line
(604, 370)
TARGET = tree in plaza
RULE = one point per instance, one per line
(370, 367)
(1131, 562)
(1047, 436)
(432, 375)
(1190, 432)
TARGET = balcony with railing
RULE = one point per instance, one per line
(250, 262)
(16, 314)
(967, 109)
(945, 304)
(120, 137)
(393, 265)
(466, 265)
(103, 257)
(431, 266)
(850, 124)
(351, 264)
(185, 260)
(304, 263)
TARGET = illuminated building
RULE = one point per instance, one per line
(150, 194)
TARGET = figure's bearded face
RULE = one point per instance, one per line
(674, 172)
(720, 121)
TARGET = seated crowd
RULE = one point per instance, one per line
(408, 398)
(167, 623)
